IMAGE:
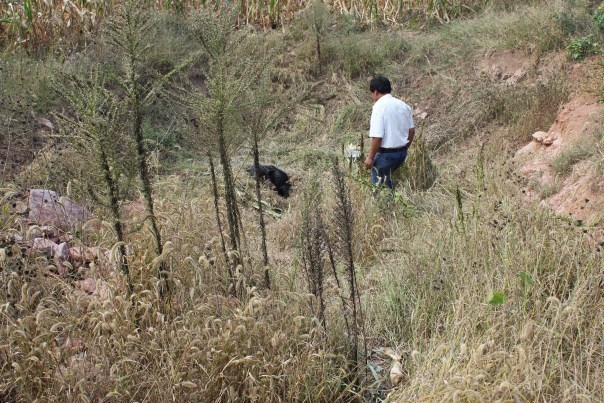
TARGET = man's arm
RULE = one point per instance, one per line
(411, 135)
(376, 142)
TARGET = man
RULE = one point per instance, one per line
(391, 131)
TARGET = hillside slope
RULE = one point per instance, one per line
(481, 279)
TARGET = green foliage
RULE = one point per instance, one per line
(99, 135)
(599, 16)
(496, 298)
(526, 279)
(356, 55)
(582, 47)
(351, 117)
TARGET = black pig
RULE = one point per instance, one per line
(277, 177)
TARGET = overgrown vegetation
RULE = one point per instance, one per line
(457, 283)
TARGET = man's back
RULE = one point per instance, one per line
(391, 120)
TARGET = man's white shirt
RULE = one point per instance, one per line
(391, 120)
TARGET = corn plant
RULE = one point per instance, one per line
(32, 24)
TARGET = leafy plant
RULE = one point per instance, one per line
(98, 134)
(496, 298)
(599, 16)
(582, 47)
(526, 279)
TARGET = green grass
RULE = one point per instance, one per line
(563, 162)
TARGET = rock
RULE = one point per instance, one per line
(76, 253)
(18, 207)
(98, 288)
(517, 76)
(46, 123)
(539, 136)
(88, 285)
(46, 207)
(496, 71)
(83, 254)
(547, 139)
(48, 231)
(44, 246)
(61, 251)
(420, 113)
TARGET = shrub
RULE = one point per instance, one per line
(599, 16)
(582, 47)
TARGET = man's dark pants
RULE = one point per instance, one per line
(384, 165)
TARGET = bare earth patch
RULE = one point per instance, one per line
(509, 66)
(580, 194)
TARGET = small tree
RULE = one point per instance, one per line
(318, 19)
(128, 34)
(236, 103)
(97, 131)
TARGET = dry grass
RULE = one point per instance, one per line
(424, 272)
(202, 346)
(544, 343)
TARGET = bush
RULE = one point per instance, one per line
(582, 47)
(599, 16)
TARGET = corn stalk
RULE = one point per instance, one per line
(32, 24)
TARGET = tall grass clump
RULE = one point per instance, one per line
(210, 347)
(563, 162)
(419, 170)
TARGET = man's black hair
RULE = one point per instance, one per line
(380, 84)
